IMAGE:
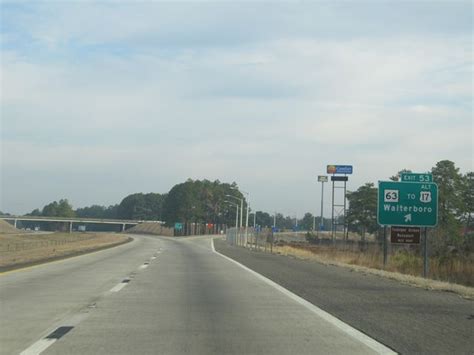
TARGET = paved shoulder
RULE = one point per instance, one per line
(408, 319)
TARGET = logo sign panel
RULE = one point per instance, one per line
(407, 204)
(339, 169)
(322, 178)
(405, 235)
(409, 177)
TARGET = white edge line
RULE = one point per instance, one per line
(38, 347)
(346, 328)
(118, 287)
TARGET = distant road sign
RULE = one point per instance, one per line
(405, 235)
(178, 226)
(322, 178)
(409, 177)
(407, 204)
(339, 169)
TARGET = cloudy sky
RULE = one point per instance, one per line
(103, 99)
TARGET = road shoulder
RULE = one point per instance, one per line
(405, 318)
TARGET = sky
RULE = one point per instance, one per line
(101, 99)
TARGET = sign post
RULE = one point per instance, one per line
(345, 170)
(322, 179)
(425, 253)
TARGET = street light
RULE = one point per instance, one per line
(236, 212)
(247, 216)
(241, 206)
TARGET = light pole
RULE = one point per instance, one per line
(247, 216)
(236, 217)
(322, 179)
(241, 207)
(236, 212)
(241, 211)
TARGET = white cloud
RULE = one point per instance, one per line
(268, 113)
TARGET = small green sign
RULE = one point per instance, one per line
(411, 204)
(178, 226)
(411, 177)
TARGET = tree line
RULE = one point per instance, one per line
(204, 201)
(199, 201)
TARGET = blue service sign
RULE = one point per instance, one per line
(339, 169)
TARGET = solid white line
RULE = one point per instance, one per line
(38, 347)
(346, 328)
(118, 287)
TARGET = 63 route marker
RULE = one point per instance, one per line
(407, 204)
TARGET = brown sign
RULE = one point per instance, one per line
(405, 235)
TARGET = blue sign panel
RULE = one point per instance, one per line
(339, 169)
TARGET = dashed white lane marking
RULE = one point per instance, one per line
(45, 342)
(144, 266)
(118, 287)
(346, 328)
(38, 347)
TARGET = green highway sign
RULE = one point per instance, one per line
(410, 177)
(411, 204)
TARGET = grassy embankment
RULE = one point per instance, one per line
(24, 249)
(455, 275)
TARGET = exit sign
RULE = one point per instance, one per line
(411, 177)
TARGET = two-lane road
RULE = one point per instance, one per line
(162, 296)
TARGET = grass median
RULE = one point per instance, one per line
(19, 250)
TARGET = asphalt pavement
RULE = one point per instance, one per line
(163, 296)
(408, 319)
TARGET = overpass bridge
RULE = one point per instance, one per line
(70, 221)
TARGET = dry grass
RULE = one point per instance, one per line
(31, 248)
(370, 262)
(7, 228)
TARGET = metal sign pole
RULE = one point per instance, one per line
(345, 225)
(321, 222)
(384, 246)
(425, 253)
(333, 227)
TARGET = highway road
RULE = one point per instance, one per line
(163, 296)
